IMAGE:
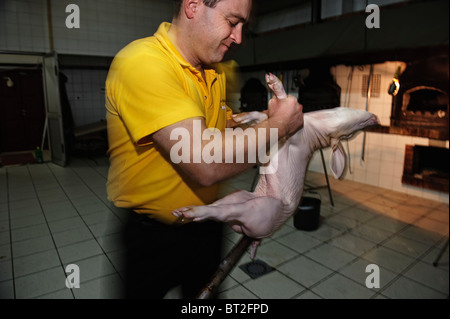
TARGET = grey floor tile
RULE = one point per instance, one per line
(108, 287)
(274, 253)
(353, 244)
(238, 292)
(340, 287)
(430, 276)
(371, 233)
(78, 251)
(274, 285)
(32, 246)
(402, 234)
(405, 288)
(6, 272)
(36, 262)
(299, 241)
(7, 289)
(30, 232)
(390, 259)
(60, 294)
(309, 295)
(326, 232)
(31, 220)
(66, 224)
(5, 252)
(40, 283)
(406, 246)
(359, 272)
(94, 267)
(305, 271)
(330, 256)
(72, 236)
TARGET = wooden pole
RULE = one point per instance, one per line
(225, 267)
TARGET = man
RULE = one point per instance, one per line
(157, 85)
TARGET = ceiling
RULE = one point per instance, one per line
(407, 32)
(267, 6)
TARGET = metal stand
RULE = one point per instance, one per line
(326, 178)
(436, 261)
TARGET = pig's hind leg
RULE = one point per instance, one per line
(253, 216)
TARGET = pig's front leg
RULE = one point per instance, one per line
(246, 117)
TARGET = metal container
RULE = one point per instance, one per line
(307, 216)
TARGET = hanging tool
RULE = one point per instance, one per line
(369, 80)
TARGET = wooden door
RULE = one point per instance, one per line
(22, 110)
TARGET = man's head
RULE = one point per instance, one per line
(209, 28)
(178, 3)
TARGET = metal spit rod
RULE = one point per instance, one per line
(225, 267)
(369, 80)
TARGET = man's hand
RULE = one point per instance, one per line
(285, 112)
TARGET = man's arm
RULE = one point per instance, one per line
(285, 115)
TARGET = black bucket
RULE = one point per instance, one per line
(307, 216)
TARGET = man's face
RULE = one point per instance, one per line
(219, 27)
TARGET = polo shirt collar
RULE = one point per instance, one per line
(163, 37)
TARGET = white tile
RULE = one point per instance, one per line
(352, 244)
(390, 259)
(36, 262)
(405, 288)
(340, 287)
(406, 246)
(299, 241)
(430, 276)
(238, 292)
(32, 246)
(274, 285)
(359, 272)
(40, 283)
(305, 271)
(330, 256)
(274, 254)
(108, 287)
(78, 251)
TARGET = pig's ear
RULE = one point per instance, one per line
(337, 160)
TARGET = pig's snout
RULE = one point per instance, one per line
(372, 121)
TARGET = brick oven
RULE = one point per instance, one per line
(421, 105)
(421, 108)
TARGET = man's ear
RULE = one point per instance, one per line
(338, 159)
(190, 8)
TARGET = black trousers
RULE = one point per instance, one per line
(160, 257)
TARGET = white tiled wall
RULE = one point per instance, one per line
(384, 153)
(23, 26)
(86, 94)
(105, 25)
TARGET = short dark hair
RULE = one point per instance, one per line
(177, 5)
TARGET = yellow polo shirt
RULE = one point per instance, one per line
(150, 86)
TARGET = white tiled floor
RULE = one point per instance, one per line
(52, 216)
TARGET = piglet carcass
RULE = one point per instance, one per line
(260, 213)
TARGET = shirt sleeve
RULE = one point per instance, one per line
(150, 94)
